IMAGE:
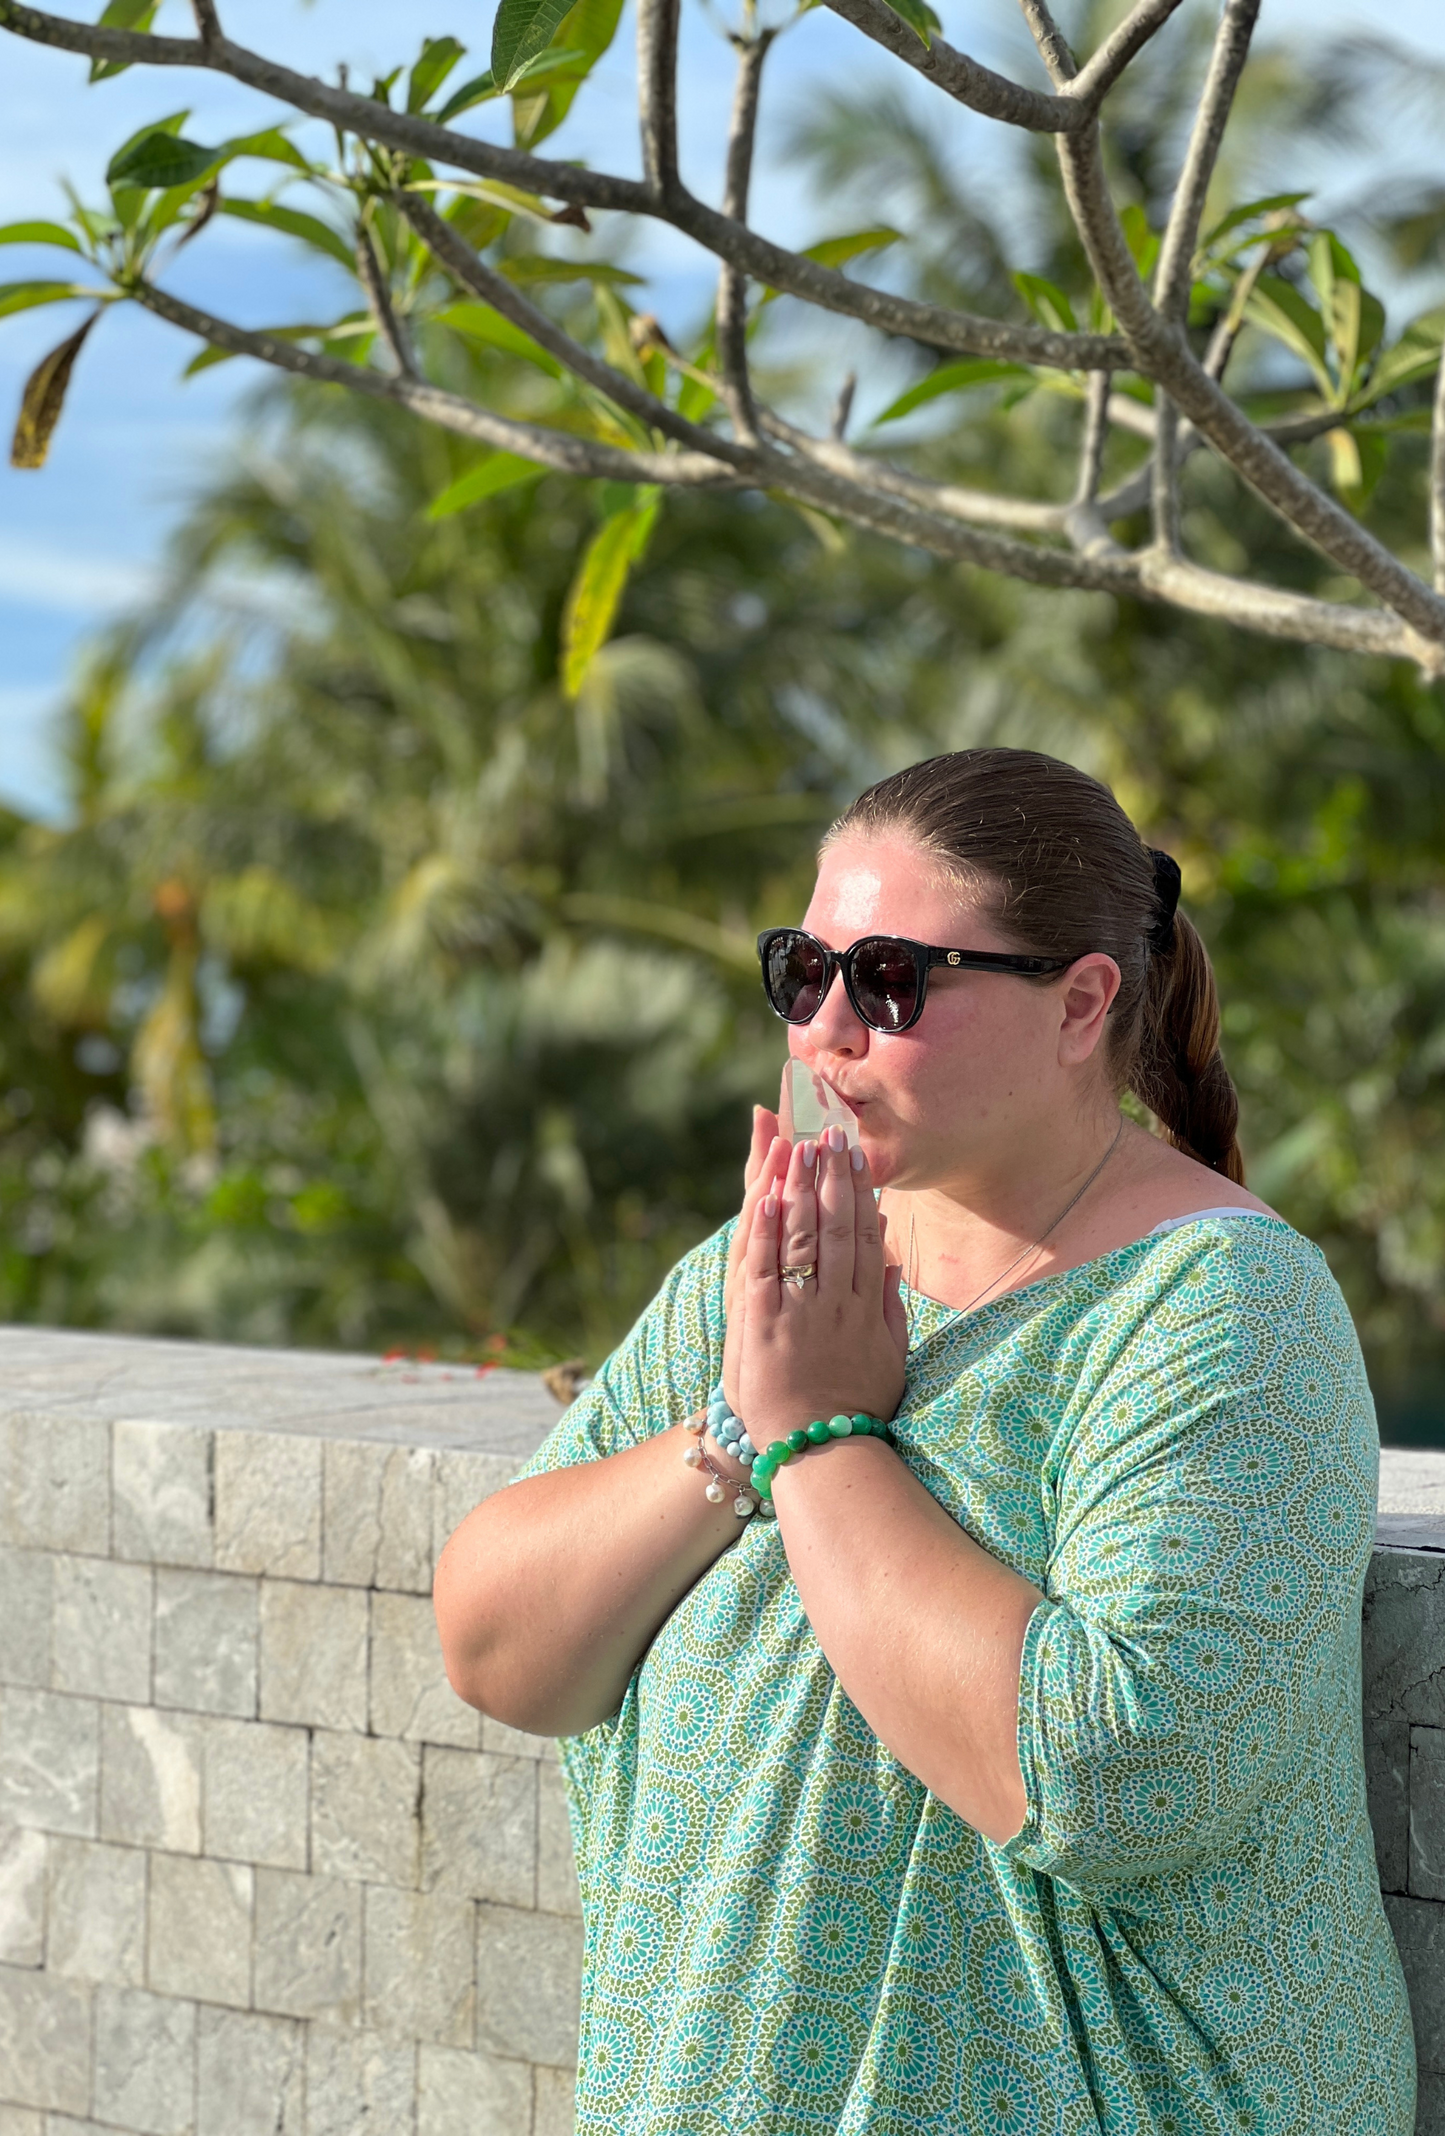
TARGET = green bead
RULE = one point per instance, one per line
(797, 1440)
(760, 1475)
(841, 1427)
(818, 1431)
(779, 1453)
(863, 1424)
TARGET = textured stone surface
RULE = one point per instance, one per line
(552, 2114)
(418, 1959)
(200, 1929)
(23, 1857)
(145, 2051)
(557, 1888)
(364, 1809)
(1419, 1927)
(410, 1695)
(529, 1983)
(256, 1792)
(515, 1742)
(97, 1913)
(54, 1481)
(313, 1655)
(162, 1485)
(1387, 1783)
(100, 1635)
(1404, 1637)
(1430, 2118)
(49, 1761)
(308, 1946)
(150, 1781)
(376, 1521)
(1427, 1813)
(358, 2084)
(268, 1504)
(25, 1591)
(471, 2094)
(45, 2042)
(250, 2075)
(463, 1481)
(479, 1826)
(207, 1630)
(20, 2121)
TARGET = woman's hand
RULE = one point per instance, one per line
(840, 1341)
(767, 1163)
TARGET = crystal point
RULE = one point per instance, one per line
(809, 1106)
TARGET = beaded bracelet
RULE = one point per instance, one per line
(818, 1433)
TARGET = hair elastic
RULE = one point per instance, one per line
(1167, 882)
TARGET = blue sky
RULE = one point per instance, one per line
(83, 538)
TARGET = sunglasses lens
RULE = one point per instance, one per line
(885, 980)
(794, 975)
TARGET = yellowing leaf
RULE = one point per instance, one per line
(596, 592)
(43, 399)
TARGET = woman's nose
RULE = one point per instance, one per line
(836, 1028)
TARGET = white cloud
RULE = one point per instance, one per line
(55, 579)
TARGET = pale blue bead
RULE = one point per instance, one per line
(746, 1448)
(717, 1413)
(747, 1459)
(728, 1428)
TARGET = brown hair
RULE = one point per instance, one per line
(1061, 871)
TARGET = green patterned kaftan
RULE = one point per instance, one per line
(787, 1935)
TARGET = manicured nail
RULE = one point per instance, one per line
(810, 1152)
(837, 1140)
(770, 1205)
(857, 1159)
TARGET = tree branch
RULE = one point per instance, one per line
(1096, 436)
(1173, 274)
(657, 93)
(1164, 476)
(1102, 69)
(959, 76)
(208, 22)
(732, 288)
(378, 298)
(979, 507)
(1274, 613)
(1053, 46)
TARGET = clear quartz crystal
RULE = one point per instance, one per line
(808, 1107)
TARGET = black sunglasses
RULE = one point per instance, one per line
(886, 976)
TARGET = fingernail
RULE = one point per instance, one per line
(770, 1205)
(857, 1160)
(810, 1151)
(837, 1140)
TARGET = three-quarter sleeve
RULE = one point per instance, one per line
(1215, 1491)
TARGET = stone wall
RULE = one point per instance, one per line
(261, 1873)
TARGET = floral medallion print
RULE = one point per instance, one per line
(787, 1935)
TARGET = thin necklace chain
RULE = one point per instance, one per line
(1037, 1244)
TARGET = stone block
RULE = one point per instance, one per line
(250, 2075)
(1387, 1784)
(313, 1655)
(516, 1742)
(529, 1985)
(55, 1483)
(479, 1825)
(268, 1504)
(200, 1929)
(256, 1792)
(49, 1761)
(100, 1635)
(557, 1888)
(150, 1778)
(23, 1858)
(1404, 1637)
(376, 1518)
(308, 1946)
(161, 1488)
(364, 1808)
(1429, 2116)
(97, 1913)
(461, 2094)
(25, 1586)
(462, 1480)
(145, 2055)
(207, 1635)
(45, 2042)
(1418, 1926)
(419, 1950)
(358, 2084)
(410, 1695)
(1427, 1813)
(554, 2110)
(20, 2121)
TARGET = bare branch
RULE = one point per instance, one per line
(732, 288)
(843, 407)
(657, 93)
(959, 76)
(1274, 613)
(1096, 436)
(1164, 476)
(208, 22)
(1053, 46)
(1437, 478)
(378, 298)
(1102, 69)
(1176, 254)
(978, 507)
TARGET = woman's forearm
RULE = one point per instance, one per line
(923, 1628)
(549, 1593)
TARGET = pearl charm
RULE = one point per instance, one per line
(693, 1457)
(714, 1494)
(742, 1506)
(696, 1425)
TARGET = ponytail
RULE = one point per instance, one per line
(1179, 1071)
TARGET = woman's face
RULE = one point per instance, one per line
(994, 1062)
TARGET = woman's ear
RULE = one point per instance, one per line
(1087, 993)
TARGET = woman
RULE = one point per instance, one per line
(1010, 1779)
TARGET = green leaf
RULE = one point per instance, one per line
(43, 399)
(1357, 461)
(596, 592)
(838, 251)
(1415, 355)
(479, 90)
(1270, 205)
(1047, 302)
(553, 78)
(1277, 309)
(918, 15)
(438, 56)
(481, 323)
(39, 233)
(499, 471)
(1143, 242)
(24, 296)
(137, 15)
(523, 28)
(295, 223)
(539, 267)
(952, 378)
(160, 160)
(271, 145)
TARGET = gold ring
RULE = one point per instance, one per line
(798, 1272)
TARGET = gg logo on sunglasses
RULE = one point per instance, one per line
(885, 976)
